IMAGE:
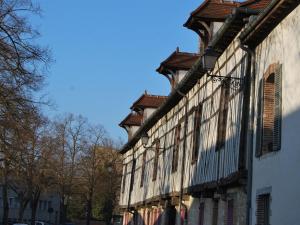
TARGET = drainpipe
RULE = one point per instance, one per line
(183, 149)
(250, 134)
(183, 152)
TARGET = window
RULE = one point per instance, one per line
(132, 174)
(49, 204)
(176, 148)
(143, 169)
(230, 211)
(196, 136)
(215, 213)
(124, 178)
(269, 112)
(10, 202)
(44, 205)
(263, 209)
(222, 121)
(156, 157)
(201, 214)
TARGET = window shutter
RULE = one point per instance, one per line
(259, 121)
(215, 213)
(262, 209)
(278, 108)
(132, 174)
(230, 209)
(197, 127)
(143, 169)
(201, 214)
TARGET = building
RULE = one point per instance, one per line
(47, 209)
(219, 149)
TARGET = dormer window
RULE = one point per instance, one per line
(176, 66)
(207, 17)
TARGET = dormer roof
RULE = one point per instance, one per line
(148, 101)
(133, 119)
(178, 61)
(210, 11)
(256, 4)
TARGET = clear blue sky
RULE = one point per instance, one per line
(106, 53)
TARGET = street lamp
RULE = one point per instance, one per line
(145, 139)
(209, 60)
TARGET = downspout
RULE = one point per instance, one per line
(250, 133)
(183, 152)
(183, 149)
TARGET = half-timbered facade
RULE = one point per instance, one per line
(190, 161)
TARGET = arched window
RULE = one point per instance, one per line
(269, 110)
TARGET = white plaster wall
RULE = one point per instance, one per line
(147, 113)
(180, 75)
(280, 170)
(216, 26)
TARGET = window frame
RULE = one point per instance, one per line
(176, 147)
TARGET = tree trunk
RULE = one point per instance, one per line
(62, 211)
(23, 205)
(34, 203)
(5, 193)
(5, 202)
(88, 211)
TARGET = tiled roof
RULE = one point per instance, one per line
(256, 4)
(148, 101)
(133, 119)
(178, 61)
(260, 28)
(210, 10)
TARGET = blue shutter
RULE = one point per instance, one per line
(278, 109)
(259, 120)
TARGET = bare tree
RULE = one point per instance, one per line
(90, 164)
(69, 135)
(22, 64)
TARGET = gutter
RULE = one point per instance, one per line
(266, 21)
(251, 26)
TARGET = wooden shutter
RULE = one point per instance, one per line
(259, 121)
(124, 178)
(222, 120)
(278, 108)
(159, 217)
(215, 213)
(132, 174)
(197, 127)
(176, 148)
(156, 157)
(201, 214)
(143, 169)
(263, 209)
(230, 211)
